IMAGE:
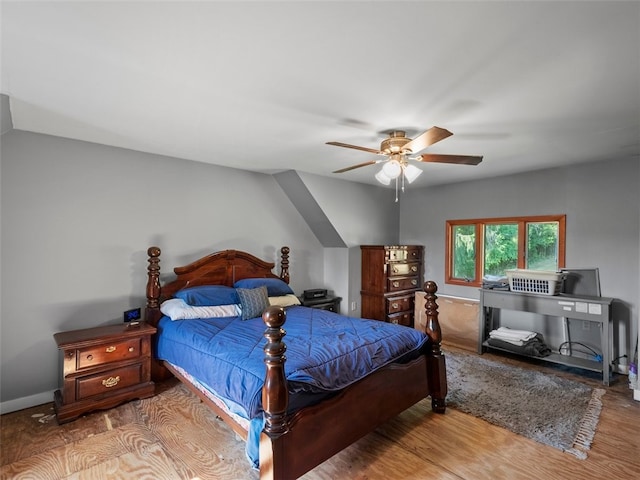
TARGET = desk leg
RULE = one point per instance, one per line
(486, 325)
(606, 339)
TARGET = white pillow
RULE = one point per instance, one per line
(284, 300)
(178, 309)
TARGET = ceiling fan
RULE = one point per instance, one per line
(398, 149)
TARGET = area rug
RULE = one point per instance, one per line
(551, 410)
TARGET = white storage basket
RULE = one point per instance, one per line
(534, 281)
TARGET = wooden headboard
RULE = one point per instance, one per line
(220, 268)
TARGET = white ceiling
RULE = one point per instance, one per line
(263, 85)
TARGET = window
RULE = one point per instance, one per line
(487, 247)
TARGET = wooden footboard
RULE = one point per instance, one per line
(291, 446)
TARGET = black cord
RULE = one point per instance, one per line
(570, 344)
(615, 360)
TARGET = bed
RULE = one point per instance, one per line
(290, 417)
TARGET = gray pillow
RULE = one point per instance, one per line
(253, 301)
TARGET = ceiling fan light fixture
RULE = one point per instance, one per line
(411, 172)
(392, 169)
(382, 178)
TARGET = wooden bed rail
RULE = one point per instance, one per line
(275, 394)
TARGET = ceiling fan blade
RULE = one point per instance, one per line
(431, 136)
(440, 158)
(364, 149)
(352, 167)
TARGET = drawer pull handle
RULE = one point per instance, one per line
(394, 305)
(89, 357)
(111, 349)
(414, 269)
(395, 321)
(131, 349)
(396, 284)
(111, 381)
(414, 282)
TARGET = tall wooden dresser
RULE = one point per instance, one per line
(391, 274)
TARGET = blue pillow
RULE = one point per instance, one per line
(275, 286)
(253, 301)
(208, 296)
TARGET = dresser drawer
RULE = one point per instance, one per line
(399, 304)
(108, 352)
(109, 381)
(404, 254)
(405, 318)
(408, 268)
(404, 283)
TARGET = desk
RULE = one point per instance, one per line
(592, 309)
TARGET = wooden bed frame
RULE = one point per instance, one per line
(291, 445)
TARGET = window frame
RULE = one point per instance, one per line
(480, 223)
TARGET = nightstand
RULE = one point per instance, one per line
(325, 303)
(103, 367)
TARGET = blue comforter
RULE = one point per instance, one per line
(326, 352)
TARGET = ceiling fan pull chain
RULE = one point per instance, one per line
(396, 189)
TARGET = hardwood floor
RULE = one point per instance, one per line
(178, 438)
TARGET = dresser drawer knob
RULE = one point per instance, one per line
(394, 305)
(111, 381)
(89, 357)
(396, 284)
(394, 321)
(414, 282)
(414, 268)
(131, 349)
(111, 349)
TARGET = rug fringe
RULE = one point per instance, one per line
(588, 425)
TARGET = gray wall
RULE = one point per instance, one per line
(363, 215)
(601, 201)
(78, 217)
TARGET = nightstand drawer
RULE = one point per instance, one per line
(108, 352)
(404, 283)
(109, 381)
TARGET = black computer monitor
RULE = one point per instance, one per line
(581, 281)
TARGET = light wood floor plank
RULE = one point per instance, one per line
(180, 438)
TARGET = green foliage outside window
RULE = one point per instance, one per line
(465, 251)
(542, 246)
(500, 248)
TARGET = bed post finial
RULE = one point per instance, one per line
(275, 394)
(284, 264)
(153, 278)
(436, 368)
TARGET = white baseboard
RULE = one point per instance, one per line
(636, 395)
(26, 402)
